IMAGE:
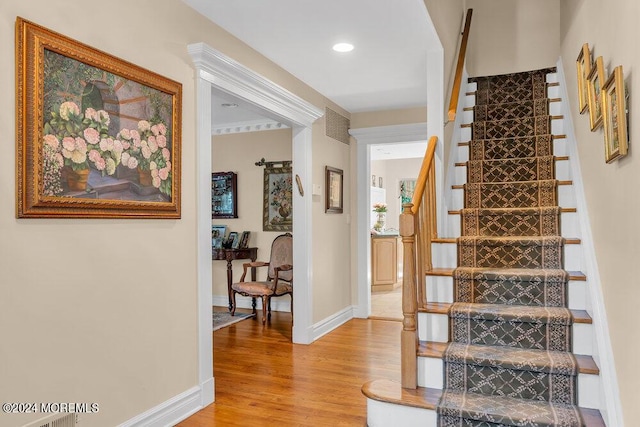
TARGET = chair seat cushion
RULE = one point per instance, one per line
(261, 288)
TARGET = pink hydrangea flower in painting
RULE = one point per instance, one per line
(146, 153)
(78, 156)
(164, 173)
(81, 145)
(154, 130)
(91, 135)
(132, 163)
(125, 134)
(162, 141)
(153, 145)
(52, 141)
(94, 155)
(91, 114)
(153, 165)
(100, 163)
(154, 173)
(144, 125)
(68, 143)
(69, 108)
(162, 129)
(166, 154)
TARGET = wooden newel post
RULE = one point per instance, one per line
(409, 337)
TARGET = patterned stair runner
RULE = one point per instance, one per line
(509, 362)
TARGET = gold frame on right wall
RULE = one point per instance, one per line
(594, 86)
(583, 67)
(614, 109)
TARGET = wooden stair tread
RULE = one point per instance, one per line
(392, 392)
(586, 364)
(427, 398)
(579, 316)
(448, 272)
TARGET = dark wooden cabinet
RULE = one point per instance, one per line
(224, 195)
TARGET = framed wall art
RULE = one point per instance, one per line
(218, 236)
(595, 80)
(614, 110)
(97, 136)
(278, 199)
(583, 67)
(224, 195)
(334, 190)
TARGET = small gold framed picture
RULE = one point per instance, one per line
(614, 110)
(594, 86)
(583, 67)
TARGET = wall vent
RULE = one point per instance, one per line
(337, 126)
(56, 420)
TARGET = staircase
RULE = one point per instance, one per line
(499, 343)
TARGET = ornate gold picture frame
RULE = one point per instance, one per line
(97, 137)
(595, 80)
(583, 67)
(614, 108)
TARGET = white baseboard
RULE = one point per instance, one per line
(277, 304)
(332, 322)
(171, 412)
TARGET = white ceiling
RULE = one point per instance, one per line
(407, 150)
(386, 70)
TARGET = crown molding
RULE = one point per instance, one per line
(247, 126)
(233, 77)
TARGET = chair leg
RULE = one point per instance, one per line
(233, 299)
(253, 304)
(291, 307)
(264, 309)
(269, 308)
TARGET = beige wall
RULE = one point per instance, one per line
(332, 252)
(512, 35)
(389, 117)
(612, 195)
(447, 18)
(105, 310)
(238, 153)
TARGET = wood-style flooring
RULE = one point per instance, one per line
(262, 379)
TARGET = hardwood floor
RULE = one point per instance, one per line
(262, 379)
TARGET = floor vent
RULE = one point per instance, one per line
(56, 420)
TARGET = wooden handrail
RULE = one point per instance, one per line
(421, 182)
(457, 82)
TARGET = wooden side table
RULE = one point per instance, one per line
(230, 255)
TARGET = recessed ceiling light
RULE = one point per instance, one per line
(343, 47)
(229, 105)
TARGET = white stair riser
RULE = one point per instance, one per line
(555, 108)
(583, 339)
(383, 414)
(560, 147)
(553, 92)
(569, 224)
(589, 391)
(566, 196)
(430, 372)
(557, 126)
(577, 294)
(444, 255)
(439, 289)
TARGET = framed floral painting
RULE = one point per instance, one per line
(278, 201)
(583, 68)
(595, 80)
(97, 137)
(614, 109)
